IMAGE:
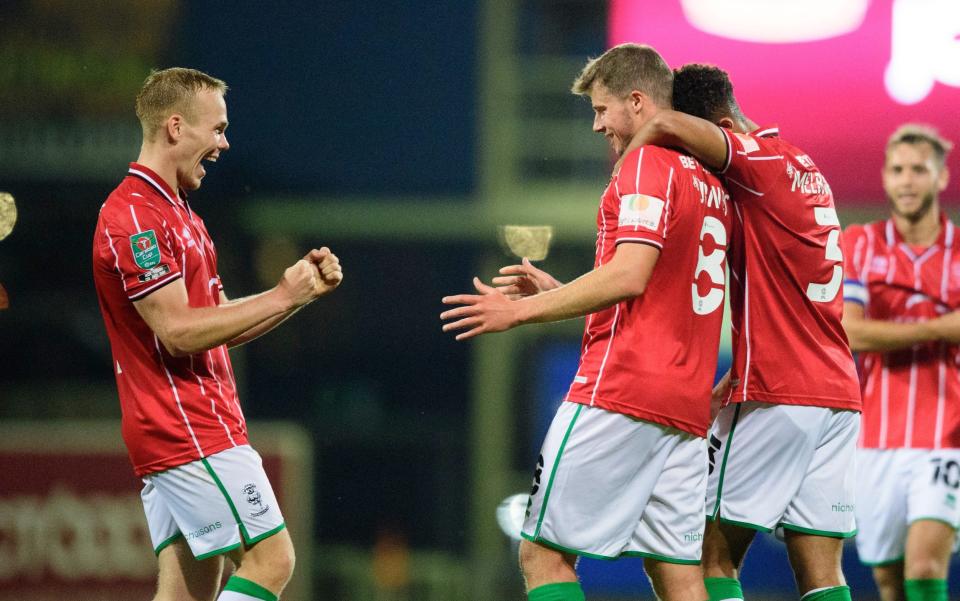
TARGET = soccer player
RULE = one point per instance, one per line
(205, 493)
(623, 468)
(782, 448)
(902, 274)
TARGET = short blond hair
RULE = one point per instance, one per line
(625, 68)
(171, 91)
(918, 133)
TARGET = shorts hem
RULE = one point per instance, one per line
(267, 534)
(541, 541)
(747, 525)
(882, 562)
(931, 518)
(814, 532)
(663, 558)
(167, 543)
(226, 549)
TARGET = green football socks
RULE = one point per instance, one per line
(560, 591)
(928, 589)
(241, 589)
(723, 589)
(834, 593)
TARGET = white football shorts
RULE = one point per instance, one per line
(788, 466)
(216, 503)
(607, 485)
(897, 487)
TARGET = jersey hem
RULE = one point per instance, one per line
(647, 416)
(777, 399)
(168, 463)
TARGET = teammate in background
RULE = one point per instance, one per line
(631, 430)
(782, 448)
(902, 274)
(169, 322)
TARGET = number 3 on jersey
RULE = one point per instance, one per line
(824, 293)
(713, 265)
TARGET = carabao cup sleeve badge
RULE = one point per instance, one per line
(146, 253)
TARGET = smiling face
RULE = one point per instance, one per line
(201, 136)
(614, 117)
(913, 179)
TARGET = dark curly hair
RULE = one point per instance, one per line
(704, 91)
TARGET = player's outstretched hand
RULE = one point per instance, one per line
(517, 281)
(489, 311)
(328, 268)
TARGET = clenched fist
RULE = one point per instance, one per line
(311, 277)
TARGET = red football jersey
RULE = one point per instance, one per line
(786, 266)
(654, 356)
(911, 397)
(175, 410)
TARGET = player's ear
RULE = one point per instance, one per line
(637, 100)
(726, 123)
(943, 179)
(174, 127)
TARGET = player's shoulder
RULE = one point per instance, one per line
(128, 203)
(873, 229)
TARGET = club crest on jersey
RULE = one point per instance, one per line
(146, 253)
(640, 210)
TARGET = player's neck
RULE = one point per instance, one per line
(160, 163)
(923, 232)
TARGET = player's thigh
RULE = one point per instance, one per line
(672, 525)
(676, 582)
(882, 487)
(760, 454)
(183, 578)
(824, 504)
(220, 503)
(595, 473)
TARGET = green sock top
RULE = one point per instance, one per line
(836, 593)
(560, 591)
(723, 589)
(927, 589)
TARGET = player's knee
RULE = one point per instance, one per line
(924, 568)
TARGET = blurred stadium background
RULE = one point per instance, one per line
(400, 134)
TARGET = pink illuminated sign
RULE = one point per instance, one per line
(838, 76)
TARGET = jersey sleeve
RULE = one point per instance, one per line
(752, 162)
(643, 191)
(854, 251)
(142, 247)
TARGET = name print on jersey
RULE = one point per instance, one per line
(712, 196)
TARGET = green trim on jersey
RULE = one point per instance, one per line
(167, 543)
(885, 562)
(726, 454)
(931, 519)
(826, 533)
(226, 549)
(248, 587)
(223, 490)
(553, 472)
(556, 547)
(747, 525)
